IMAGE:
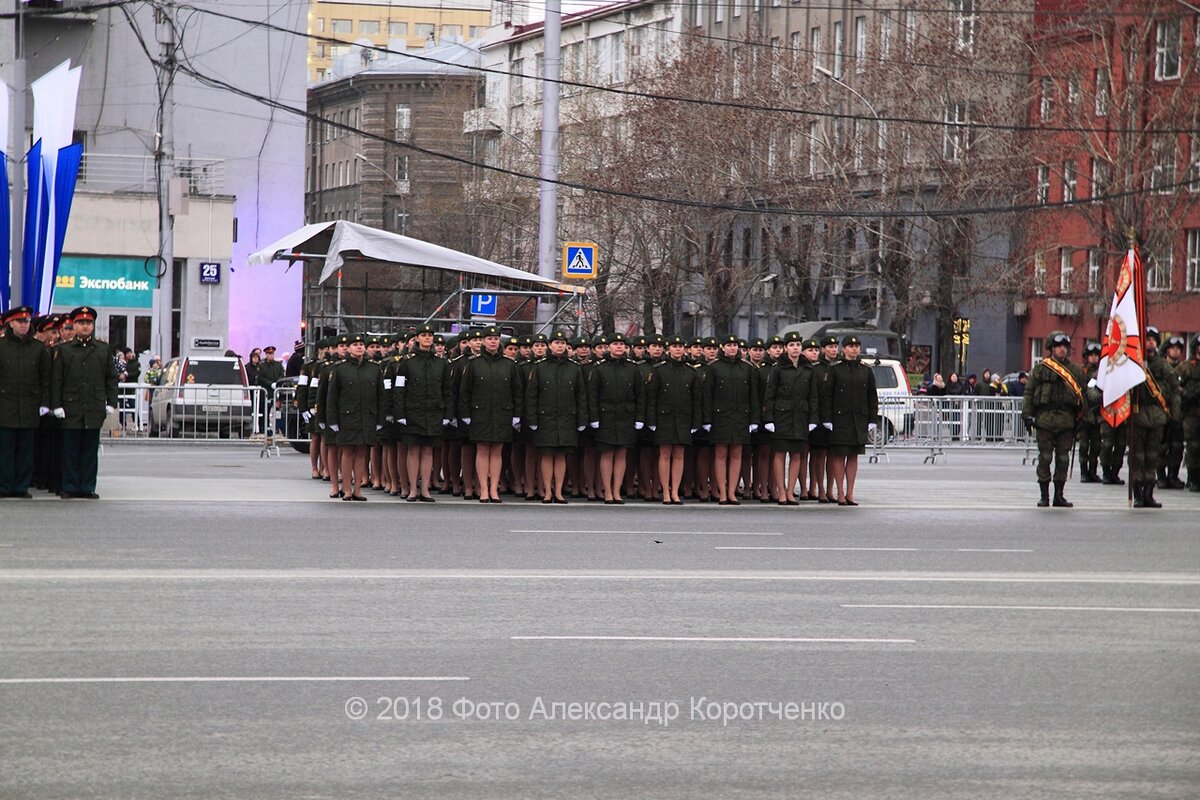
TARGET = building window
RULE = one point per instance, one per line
(910, 32)
(424, 30)
(320, 24)
(1158, 270)
(839, 48)
(814, 49)
(398, 30)
(814, 142)
(401, 168)
(341, 26)
(400, 221)
(1193, 260)
(516, 82)
(1194, 163)
(451, 32)
(964, 24)
(1039, 273)
(1073, 92)
(337, 50)
(617, 43)
(1162, 174)
(1093, 276)
(1168, 44)
(1101, 93)
(1099, 177)
(1046, 99)
(1065, 270)
(881, 135)
(719, 12)
(403, 122)
(1069, 182)
(958, 136)
(860, 44)
(1043, 184)
(475, 31)
(857, 145)
(369, 27)
(885, 35)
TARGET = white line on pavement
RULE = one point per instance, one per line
(1025, 608)
(658, 533)
(245, 679)
(756, 639)
(881, 549)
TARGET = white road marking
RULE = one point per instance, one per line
(991, 550)
(756, 639)
(883, 549)
(1027, 608)
(865, 576)
(245, 679)
(658, 533)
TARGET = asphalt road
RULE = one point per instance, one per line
(216, 628)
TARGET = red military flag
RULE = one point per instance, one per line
(1122, 358)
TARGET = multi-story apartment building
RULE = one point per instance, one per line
(384, 155)
(412, 24)
(1116, 147)
(240, 161)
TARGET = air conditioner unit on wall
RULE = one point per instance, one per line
(1020, 308)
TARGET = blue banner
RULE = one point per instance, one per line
(65, 176)
(5, 235)
(37, 216)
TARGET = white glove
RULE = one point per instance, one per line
(403, 421)
(753, 428)
(1092, 383)
(61, 413)
(333, 428)
(43, 411)
(871, 426)
(769, 427)
(378, 427)
(707, 428)
(516, 423)
(653, 427)
(321, 425)
(445, 423)
(580, 428)
(693, 430)
(595, 426)
(390, 419)
(454, 423)
(533, 427)
(812, 426)
(637, 426)
(466, 420)
(304, 415)
(272, 386)
(109, 409)
(827, 426)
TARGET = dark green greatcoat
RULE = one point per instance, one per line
(673, 403)
(24, 380)
(733, 403)
(83, 381)
(793, 398)
(354, 401)
(556, 402)
(614, 400)
(850, 401)
(490, 396)
(421, 393)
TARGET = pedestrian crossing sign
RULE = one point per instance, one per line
(579, 260)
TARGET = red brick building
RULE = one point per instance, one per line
(1115, 140)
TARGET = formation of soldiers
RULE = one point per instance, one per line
(1062, 402)
(58, 384)
(608, 418)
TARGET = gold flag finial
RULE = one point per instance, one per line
(1131, 236)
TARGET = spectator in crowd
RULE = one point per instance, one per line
(129, 370)
(954, 385)
(984, 387)
(937, 387)
(1017, 388)
(998, 387)
(252, 366)
(296, 361)
(971, 387)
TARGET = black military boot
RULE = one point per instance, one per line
(1059, 500)
(1148, 500)
(1138, 500)
(1085, 476)
(1045, 487)
(1193, 481)
(1092, 471)
(1161, 482)
(1173, 481)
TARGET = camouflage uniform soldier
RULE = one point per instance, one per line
(1089, 433)
(1053, 403)
(1156, 402)
(1172, 455)
(1189, 389)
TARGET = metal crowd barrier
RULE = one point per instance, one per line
(190, 413)
(941, 423)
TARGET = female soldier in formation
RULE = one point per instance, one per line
(489, 404)
(792, 411)
(849, 411)
(354, 403)
(732, 409)
(555, 411)
(673, 412)
(421, 405)
(614, 400)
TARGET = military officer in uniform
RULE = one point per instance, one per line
(734, 409)
(850, 412)
(614, 401)
(673, 413)
(1052, 405)
(420, 403)
(270, 372)
(1089, 433)
(24, 399)
(83, 392)
(791, 409)
(556, 411)
(305, 401)
(820, 468)
(1155, 403)
(329, 437)
(1172, 455)
(489, 404)
(354, 403)
(1189, 391)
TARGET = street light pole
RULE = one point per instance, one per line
(548, 189)
(18, 149)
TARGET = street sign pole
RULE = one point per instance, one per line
(548, 188)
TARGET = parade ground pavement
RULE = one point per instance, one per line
(216, 627)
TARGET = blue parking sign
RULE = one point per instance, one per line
(483, 305)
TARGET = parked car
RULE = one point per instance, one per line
(202, 396)
(895, 408)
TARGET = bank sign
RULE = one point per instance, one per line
(103, 282)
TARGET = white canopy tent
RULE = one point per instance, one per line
(336, 241)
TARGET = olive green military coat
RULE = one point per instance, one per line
(83, 381)
(673, 404)
(615, 398)
(733, 404)
(850, 401)
(354, 401)
(556, 402)
(489, 395)
(793, 399)
(24, 381)
(421, 393)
